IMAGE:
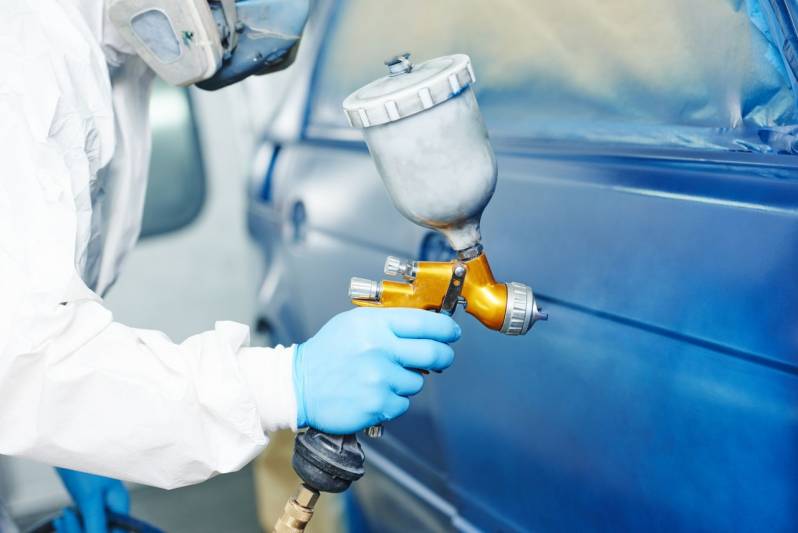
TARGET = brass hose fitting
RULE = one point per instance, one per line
(298, 511)
(439, 286)
(324, 463)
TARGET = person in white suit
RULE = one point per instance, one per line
(82, 391)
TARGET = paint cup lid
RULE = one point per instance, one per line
(408, 89)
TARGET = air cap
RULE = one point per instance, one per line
(408, 89)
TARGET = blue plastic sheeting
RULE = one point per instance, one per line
(713, 74)
(776, 20)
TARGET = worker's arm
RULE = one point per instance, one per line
(78, 389)
(81, 391)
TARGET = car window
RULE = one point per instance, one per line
(667, 73)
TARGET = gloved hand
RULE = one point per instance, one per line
(92, 496)
(354, 372)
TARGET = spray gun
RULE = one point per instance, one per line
(426, 135)
(424, 130)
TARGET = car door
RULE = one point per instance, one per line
(653, 399)
(661, 394)
(644, 195)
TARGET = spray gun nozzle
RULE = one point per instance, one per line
(364, 290)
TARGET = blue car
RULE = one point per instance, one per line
(648, 192)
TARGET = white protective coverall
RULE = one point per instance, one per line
(78, 389)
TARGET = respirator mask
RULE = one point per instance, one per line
(211, 43)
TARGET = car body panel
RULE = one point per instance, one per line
(661, 394)
(666, 368)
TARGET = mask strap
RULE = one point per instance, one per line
(231, 16)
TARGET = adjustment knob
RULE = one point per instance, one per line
(398, 267)
(364, 289)
(522, 312)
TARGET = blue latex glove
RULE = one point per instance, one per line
(354, 372)
(92, 496)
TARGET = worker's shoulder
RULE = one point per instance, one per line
(55, 38)
(54, 84)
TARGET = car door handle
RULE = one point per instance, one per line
(262, 174)
(299, 220)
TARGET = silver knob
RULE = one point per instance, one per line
(399, 64)
(522, 311)
(364, 289)
(398, 267)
